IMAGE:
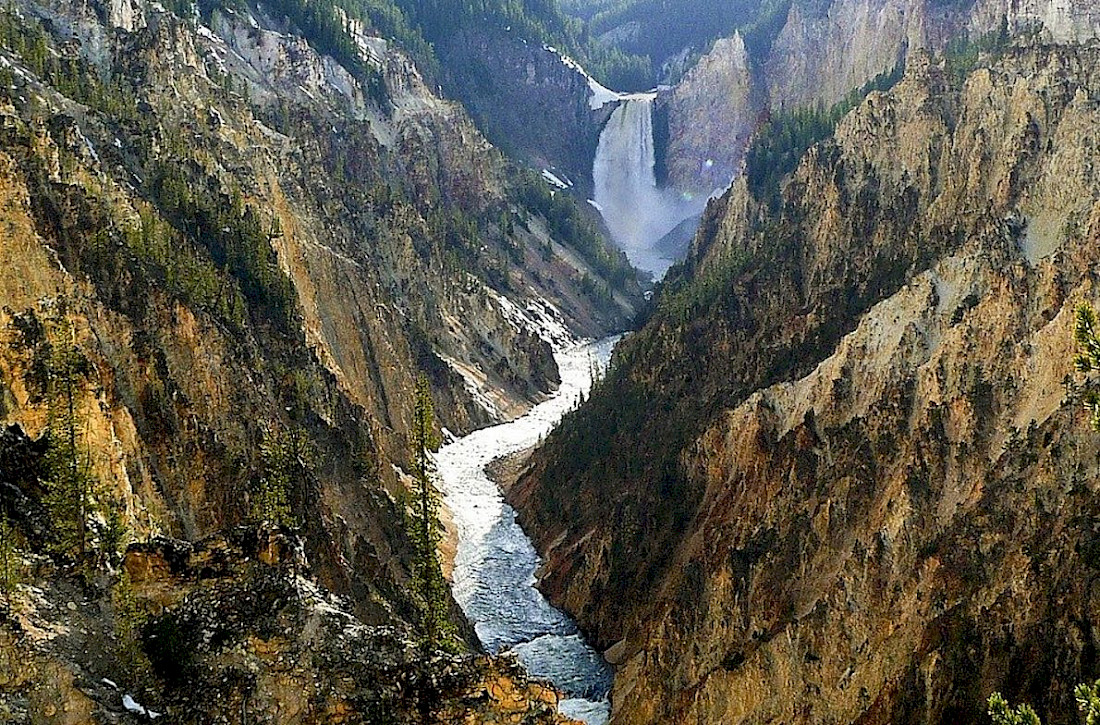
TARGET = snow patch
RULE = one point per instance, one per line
(207, 33)
(540, 318)
(599, 95)
(216, 50)
(134, 706)
(554, 180)
(88, 144)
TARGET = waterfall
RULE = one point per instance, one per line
(637, 212)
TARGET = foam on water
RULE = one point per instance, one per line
(638, 213)
(494, 574)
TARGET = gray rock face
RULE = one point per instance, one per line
(128, 15)
(1062, 21)
(819, 59)
(711, 114)
(526, 99)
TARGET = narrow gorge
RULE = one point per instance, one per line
(495, 563)
(827, 454)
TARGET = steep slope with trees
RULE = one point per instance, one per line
(232, 240)
(841, 474)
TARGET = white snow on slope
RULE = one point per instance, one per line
(554, 180)
(540, 318)
(600, 95)
(134, 706)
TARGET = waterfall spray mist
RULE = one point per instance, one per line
(637, 212)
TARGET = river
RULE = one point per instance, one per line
(494, 573)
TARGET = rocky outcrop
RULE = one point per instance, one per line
(842, 475)
(711, 113)
(233, 624)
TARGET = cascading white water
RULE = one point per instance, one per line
(494, 573)
(637, 212)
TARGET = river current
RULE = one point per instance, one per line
(494, 574)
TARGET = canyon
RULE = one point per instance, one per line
(840, 472)
(253, 245)
(820, 53)
(833, 479)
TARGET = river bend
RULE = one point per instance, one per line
(495, 563)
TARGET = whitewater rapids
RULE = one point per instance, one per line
(494, 573)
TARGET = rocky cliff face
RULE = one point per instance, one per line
(251, 240)
(824, 51)
(820, 58)
(527, 99)
(711, 113)
(1060, 21)
(872, 499)
(822, 54)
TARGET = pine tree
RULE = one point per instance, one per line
(1088, 701)
(129, 618)
(11, 568)
(431, 590)
(1003, 714)
(70, 484)
(283, 456)
(1088, 704)
(1087, 359)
